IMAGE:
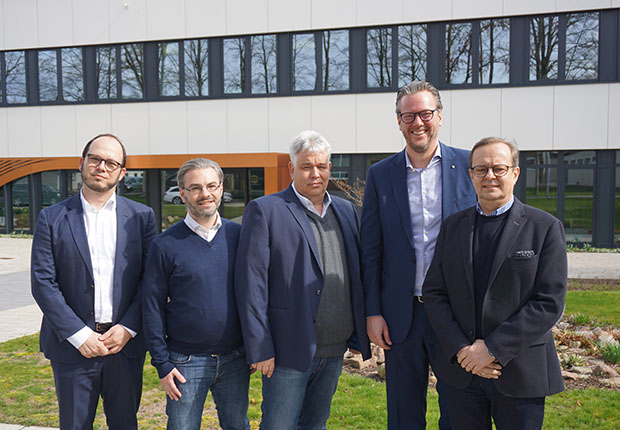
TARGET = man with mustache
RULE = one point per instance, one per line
(406, 197)
(299, 290)
(191, 322)
(88, 256)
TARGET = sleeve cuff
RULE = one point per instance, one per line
(80, 337)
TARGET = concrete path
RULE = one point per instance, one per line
(20, 316)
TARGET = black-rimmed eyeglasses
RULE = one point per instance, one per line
(196, 189)
(499, 170)
(95, 161)
(425, 115)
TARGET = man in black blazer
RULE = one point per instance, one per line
(495, 288)
(88, 257)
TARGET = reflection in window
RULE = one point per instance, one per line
(582, 45)
(458, 53)
(168, 69)
(74, 180)
(340, 160)
(21, 201)
(234, 65)
(72, 74)
(2, 211)
(172, 208)
(196, 67)
(379, 57)
(542, 188)
(15, 76)
(50, 188)
(234, 194)
(48, 76)
(264, 64)
(105, 70)
(132, 71)
(304, 62)
(578, 205)
(335, 60)
(544, 39)
(494, 51)
(411, 53)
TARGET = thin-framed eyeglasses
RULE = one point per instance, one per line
(197, 189)
(425, 115)
(95, 161)
(499, 170)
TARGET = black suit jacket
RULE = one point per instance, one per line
(524, 299)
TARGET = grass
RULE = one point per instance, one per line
(602, 306)
(611, 353)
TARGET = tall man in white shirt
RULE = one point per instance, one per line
(88, 256)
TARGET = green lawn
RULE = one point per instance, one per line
(27, 394)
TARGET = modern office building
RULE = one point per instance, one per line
(236, 80)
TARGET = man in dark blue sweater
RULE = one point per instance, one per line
(191, 322)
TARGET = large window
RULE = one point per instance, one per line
(61, 75)
(14, 76)
(412, 42)
(48, 76)
(196, 67)
(582, 46)
(494, 51)
(169, 79)
(304, 62)
(21, 204)
(234, 65)
(264, 64)
(132, 71)
(459, 60)
(544, 41)
(335, 60)
(50, 188)
(124, 64)
(542, 181)
(379, 57)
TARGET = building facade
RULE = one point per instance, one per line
(236, 80)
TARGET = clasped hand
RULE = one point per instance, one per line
(475, 358)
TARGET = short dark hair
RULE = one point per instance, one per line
(87, 147)
(514, 150)
(415, 87)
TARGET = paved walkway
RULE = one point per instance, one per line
(20, 316)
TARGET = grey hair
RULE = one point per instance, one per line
(198, 163)
(309, 140)
(514, 150)
(415, 87)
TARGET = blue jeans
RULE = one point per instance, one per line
(300, 400)
(228, 378)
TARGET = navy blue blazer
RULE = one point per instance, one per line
(524, 299)
(62, 276)
(388, 254)
(278, 279)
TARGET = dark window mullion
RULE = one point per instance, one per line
(89, 64)
(562, 47)
(59, 95)
(475, 52)
(32, 76)
(247, 89)
(181, 63)
(118, 69)
(2, 80)
(318, 50)
(395, 76)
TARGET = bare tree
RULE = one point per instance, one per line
(234, 65)
(379, 57)
(582, 45)
(168, 81)
(196, 67)
(304, 62)
(72, 74)
(105, 69)
(15, 76)
(544, 40)
(264, 64)
(132, 70)
(412, 53)
(335, 60)
(458, 53)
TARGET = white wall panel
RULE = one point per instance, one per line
(128, 23)
(335, 118)
(20, 24)
(567, 5)
(377, 128)
(287, 15)
(243, 17)
(206, 127)
(474, 114)
(130, 124)
(580, 116)
(527, 116)
(333, 14)
(476, 9)
(168, 128)
(421, 11)
(373, 12)
(91, 120)
(55, 22)
(288, 116)
(2, 18)
(248, 125)
(615, 3)
(4, 133)
(613, 116)
(165, 19)
(522, 7)
(91, 22)
(24, 131)
(58, 131)
(205, 18)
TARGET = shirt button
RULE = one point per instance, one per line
(92, 285)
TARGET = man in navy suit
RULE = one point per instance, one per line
(406, 197)
(495, 289)
(88, 256)
(299, 291)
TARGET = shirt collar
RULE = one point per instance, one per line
(327, 200)
(195, 227)
(109, 205)
(435, 159)
(498, 211)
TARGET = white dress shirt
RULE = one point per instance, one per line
(424, 187)
(207, 235)
(327, 200)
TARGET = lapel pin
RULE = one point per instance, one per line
(453, 167)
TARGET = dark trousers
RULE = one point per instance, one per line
(117, 378)
(406, 374)
(471, 408)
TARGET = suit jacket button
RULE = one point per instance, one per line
(318, 292)
(92, 285)
(470, 332)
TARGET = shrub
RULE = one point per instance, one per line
(611, 353)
